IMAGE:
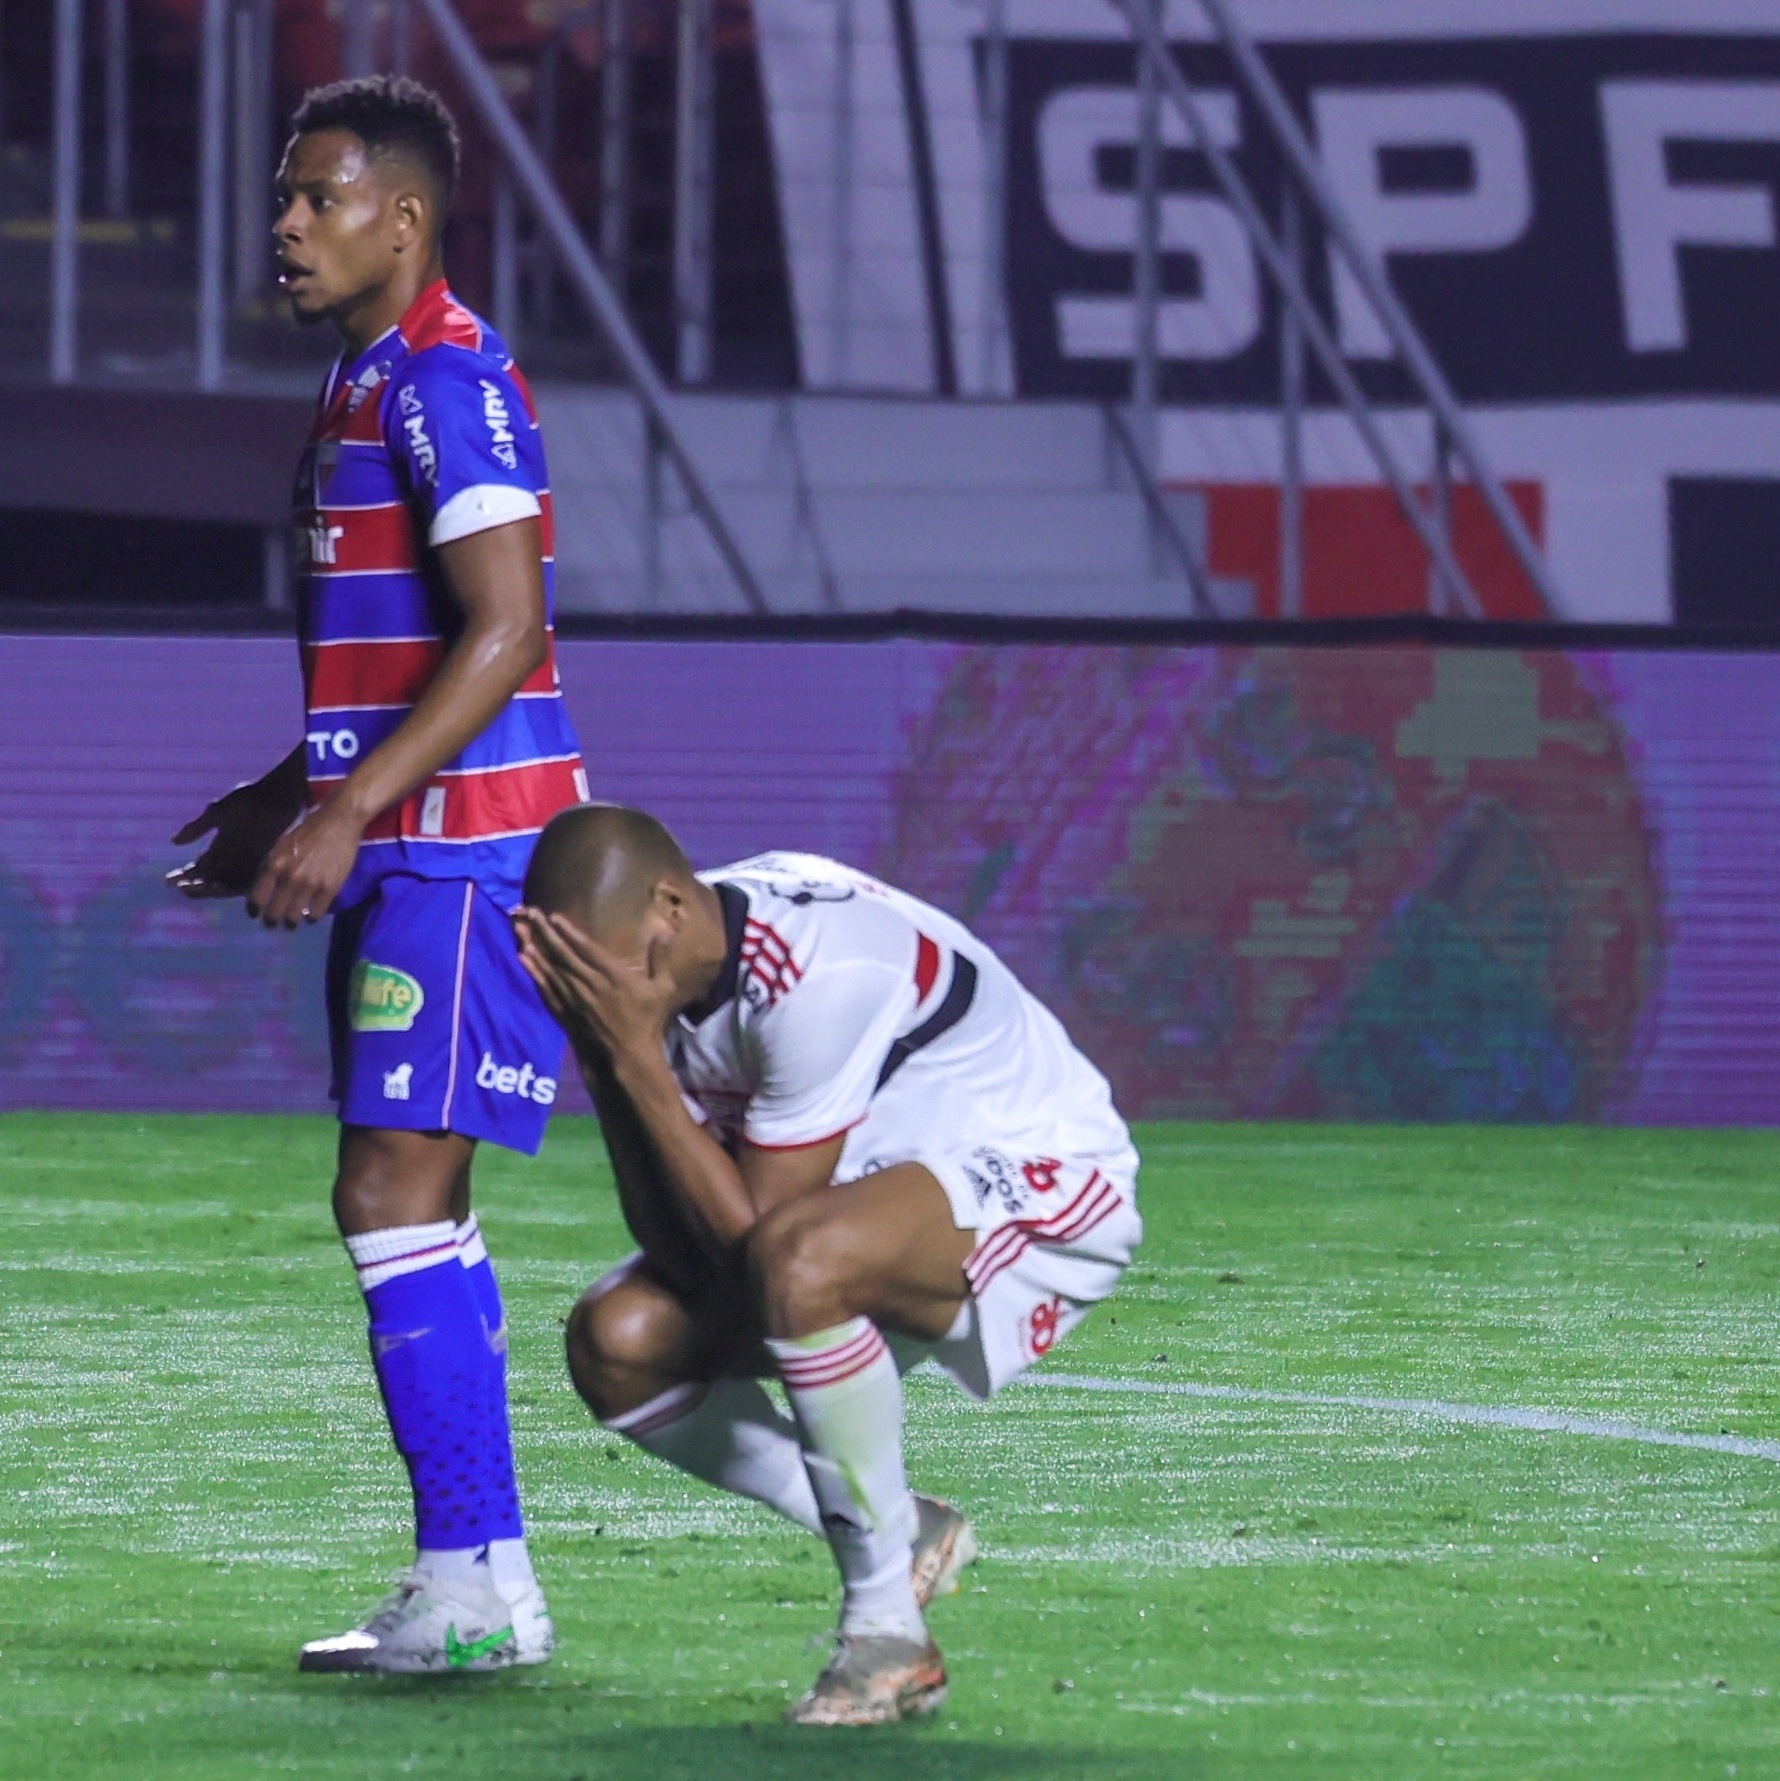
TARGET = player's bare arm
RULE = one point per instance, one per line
(247, 822)
(616, 1011)
(496, 580)
(654, 1219)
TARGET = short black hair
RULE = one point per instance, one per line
(390, 115)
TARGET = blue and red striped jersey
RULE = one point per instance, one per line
(428, 435)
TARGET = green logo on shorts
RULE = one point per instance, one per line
(383, 999)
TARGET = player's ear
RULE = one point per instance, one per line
(411, 210)
(669, 903)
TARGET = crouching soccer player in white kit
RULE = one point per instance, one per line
(847, 1140)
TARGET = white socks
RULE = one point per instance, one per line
(459, 1569)
(845, 1477)
(512, 1567)
(502, 1565)
(730, 1434)
(847, 1395)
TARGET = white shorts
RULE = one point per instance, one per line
(1054, 1233)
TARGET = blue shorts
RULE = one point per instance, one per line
(433, 1023)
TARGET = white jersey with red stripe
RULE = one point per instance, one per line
(849, 1007)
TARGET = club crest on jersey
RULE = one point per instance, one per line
(362, 385)
(383, 999)
(500, 424)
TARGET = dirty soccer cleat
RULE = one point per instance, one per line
(944, 1544)
(872, 1681)
(425, 1629)
(533, 1634)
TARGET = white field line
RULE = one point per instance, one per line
(1543, 1422)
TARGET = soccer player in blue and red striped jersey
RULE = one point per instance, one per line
(436, 747)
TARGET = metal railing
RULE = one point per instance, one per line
(230, 26)
(1280, 253)
(584, 275)
(235, 133)
(1164, 532)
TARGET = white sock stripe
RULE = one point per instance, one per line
(379, 1272)
(796, 1359)
(404, 1249)
(659, 1412)
(401, 1239)
(819, 1344)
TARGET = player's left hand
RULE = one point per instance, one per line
(303, 873)
(623, 1007)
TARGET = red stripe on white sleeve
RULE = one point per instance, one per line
(926, 966)
(803, 1143)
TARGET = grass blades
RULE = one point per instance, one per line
(195, 1478)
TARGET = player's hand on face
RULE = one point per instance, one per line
(248, 822)
(304, 871)
(557, 997)
(623, 1007)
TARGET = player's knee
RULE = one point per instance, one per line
(611, 1335)
(799, 1264)
(364, 1188)
(388, 1178)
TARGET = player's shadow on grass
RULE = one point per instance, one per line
(889, 1753)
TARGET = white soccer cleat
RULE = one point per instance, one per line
(428, 1628)
(533, 1633)
(944, 1544)
(873, 1681)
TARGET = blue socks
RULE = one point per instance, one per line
(473, 1253)
(439, 1346)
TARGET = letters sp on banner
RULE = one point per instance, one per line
(1568, 219)
(1570, 216)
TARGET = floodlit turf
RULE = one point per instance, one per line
(195, 1478)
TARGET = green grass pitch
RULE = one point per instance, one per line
(195, 1478)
